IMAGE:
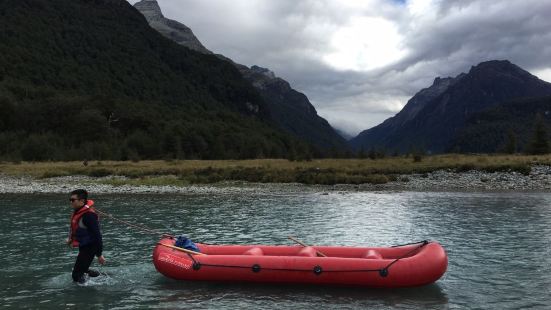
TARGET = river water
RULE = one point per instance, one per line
(498, 246)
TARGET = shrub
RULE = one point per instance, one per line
(39, 147)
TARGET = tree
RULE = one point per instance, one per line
(362, 154)
(539, 143)
(39, 147)
(372, 154)
(511, 144)
(6, 114)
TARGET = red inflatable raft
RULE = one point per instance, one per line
(410, 265)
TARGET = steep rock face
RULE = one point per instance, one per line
(278, 91)
(381, 136)
(289, 109)
(419, 101)
(169, 28)
(433, 118)
(292, 110)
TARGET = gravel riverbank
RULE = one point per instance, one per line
(539, 179)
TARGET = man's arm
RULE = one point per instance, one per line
(90, 220)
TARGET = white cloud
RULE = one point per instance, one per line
(365, 43)
(351, 113)
(543, 74)
(421, 8)
(360, 60)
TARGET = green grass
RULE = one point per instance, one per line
(323, 171)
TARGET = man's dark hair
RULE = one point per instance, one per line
(81, 194)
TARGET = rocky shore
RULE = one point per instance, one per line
(539, 179)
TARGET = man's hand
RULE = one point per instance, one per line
(68, 241)
(101, 260)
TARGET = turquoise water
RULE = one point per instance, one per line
(498, 246)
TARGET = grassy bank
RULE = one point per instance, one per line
(324, 171)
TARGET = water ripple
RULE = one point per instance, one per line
(498, 246)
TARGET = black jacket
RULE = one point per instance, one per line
(90, 234)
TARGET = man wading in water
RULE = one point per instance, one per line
(84, 234)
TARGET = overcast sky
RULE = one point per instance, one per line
(359, 61)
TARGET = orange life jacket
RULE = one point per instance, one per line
(75, 218)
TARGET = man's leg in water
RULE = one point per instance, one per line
(84, 260)
(93, 273)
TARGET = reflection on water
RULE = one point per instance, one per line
(290, 296)
(498, 246)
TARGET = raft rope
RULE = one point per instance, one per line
(412, 243)
(140, 228)
(383, 272)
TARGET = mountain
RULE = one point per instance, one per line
(508, 125)
(91, 79)
(171, 29)
(435, 116)
(289, 109)
(292, 111)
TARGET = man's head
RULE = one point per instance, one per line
(78, 198)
